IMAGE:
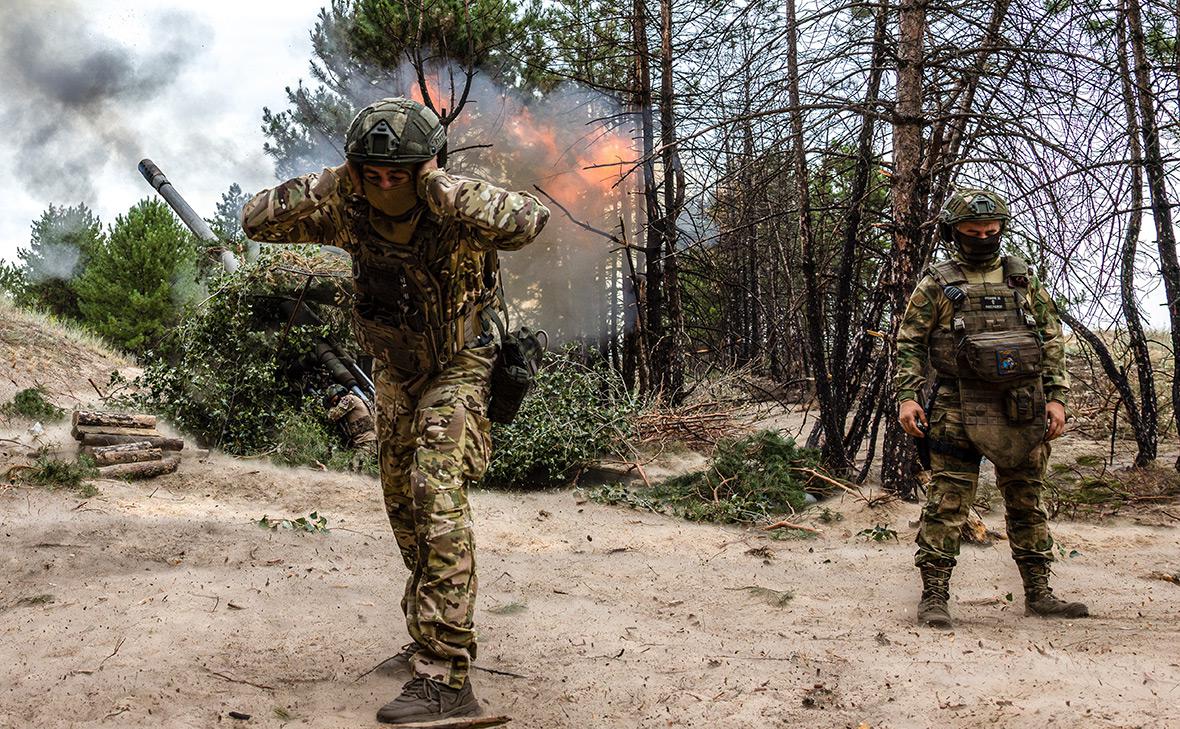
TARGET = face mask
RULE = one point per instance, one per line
(396, 201)
(977, 250)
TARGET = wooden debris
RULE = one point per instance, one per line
(115, 420)
(791, 525)
(80, 430)
(125, 453)
(145, 469)
(103, 439)
(125, 445)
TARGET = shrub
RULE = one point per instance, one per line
(574, 415)
(750, 479)
(52, 472)
(31, 403)
(227, 374)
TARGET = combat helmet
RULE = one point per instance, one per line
(395, 131)
(971, 203)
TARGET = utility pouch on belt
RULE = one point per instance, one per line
(521, 353)
(1020, 404)
(1002, 356)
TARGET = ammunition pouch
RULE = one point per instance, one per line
(1020, 404)
(520, 356)
(1001, 357)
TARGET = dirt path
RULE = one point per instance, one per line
(171, 608)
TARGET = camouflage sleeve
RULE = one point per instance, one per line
(913, 335)
(1054, 374)
(307, 209)
(501, 219)
(340, 410)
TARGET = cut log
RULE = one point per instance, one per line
(126, 453)
(80, 430)
(139, 445)
(107, 439)
(115, 420)
(147, 469)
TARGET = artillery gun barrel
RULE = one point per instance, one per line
(196, 223)
(343, 369)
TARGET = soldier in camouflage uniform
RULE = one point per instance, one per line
(353, 416)
(424, 247)
(992, 334)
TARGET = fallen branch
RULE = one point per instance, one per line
(790, 525)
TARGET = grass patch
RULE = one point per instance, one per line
(31, 403)
(49, 471)
(751, 479)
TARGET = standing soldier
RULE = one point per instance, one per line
(353, 416)
(992, 335)
(423, 244)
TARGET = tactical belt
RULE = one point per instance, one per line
(954, 451)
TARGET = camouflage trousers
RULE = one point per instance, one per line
(434, 443)
(954, 478)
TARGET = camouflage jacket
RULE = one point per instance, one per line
(418, 303)
(313, 209)
(929, 309)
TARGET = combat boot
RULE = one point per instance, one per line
(933, 610)
(425, 700)
(1039, 598)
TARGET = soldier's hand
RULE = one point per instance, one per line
(1054, 420)
(911, 416)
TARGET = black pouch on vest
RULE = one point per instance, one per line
(1020, 404)
(521, 353)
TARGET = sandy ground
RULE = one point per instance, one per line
(163, 604)
(171, 608)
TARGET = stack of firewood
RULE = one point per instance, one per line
(126, 445)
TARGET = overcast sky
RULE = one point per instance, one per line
(87, 89)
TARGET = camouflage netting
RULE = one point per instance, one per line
(236, 367)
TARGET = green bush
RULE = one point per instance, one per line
(753, 478)
(52, 472)
(227, 375)
(574, 415)
(31, 403)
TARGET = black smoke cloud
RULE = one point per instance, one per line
(71, 92)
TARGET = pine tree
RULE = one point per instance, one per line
(138, 282)
(61, 244)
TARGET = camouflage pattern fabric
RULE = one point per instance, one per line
(434, 443)
(952, 492)
(313, 209)
(354, 416)
(417, 304)
(432, 428)
(929, 309)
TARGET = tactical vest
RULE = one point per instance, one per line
(419, 304)
(993, 350)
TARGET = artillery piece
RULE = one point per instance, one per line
(342, 369)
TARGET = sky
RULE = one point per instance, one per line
(87, 89)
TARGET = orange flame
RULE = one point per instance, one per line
(589, 165)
